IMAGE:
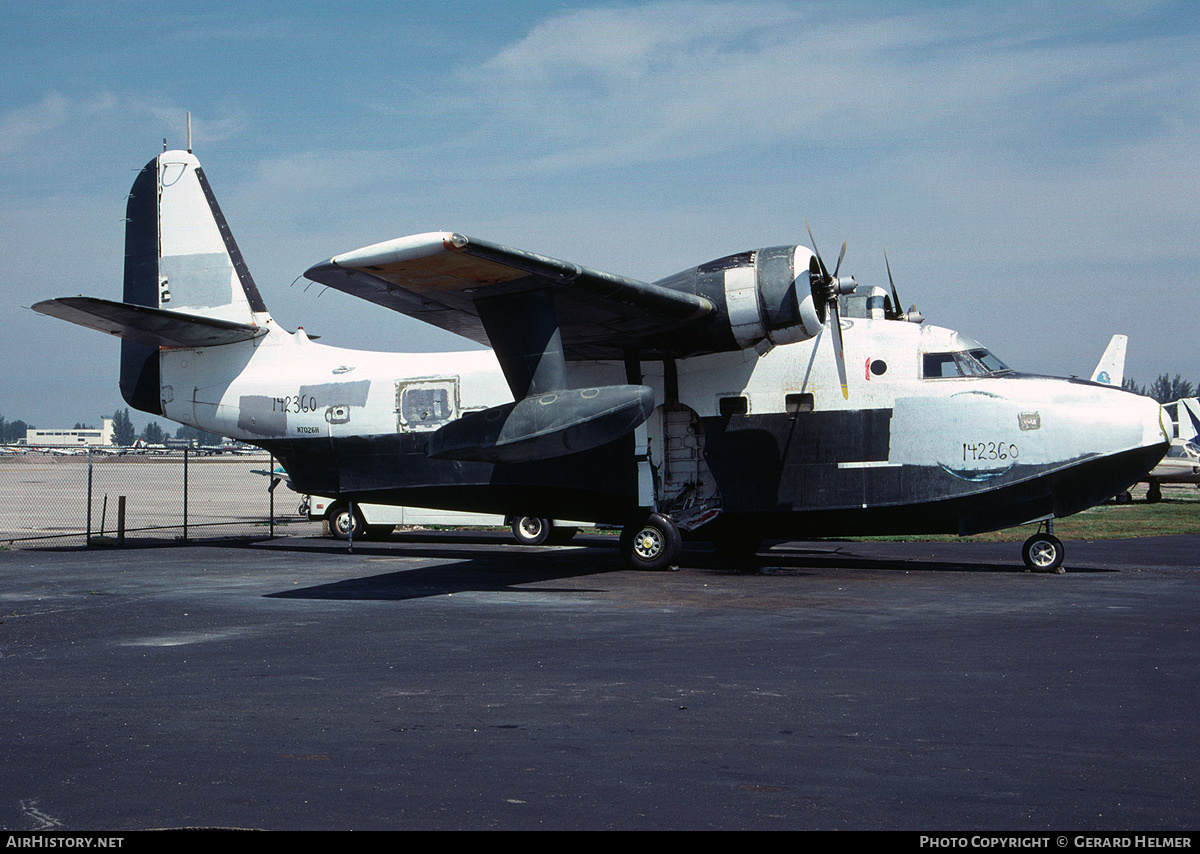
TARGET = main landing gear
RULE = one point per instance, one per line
(1043, 552)
(652, 542)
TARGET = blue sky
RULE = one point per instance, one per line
(1032, 170)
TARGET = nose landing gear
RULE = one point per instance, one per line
(1043, 552)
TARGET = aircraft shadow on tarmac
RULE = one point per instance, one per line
(507, 568)
(463, 570)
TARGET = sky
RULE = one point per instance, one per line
(1031, 169)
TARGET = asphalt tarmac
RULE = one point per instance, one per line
(462, 682)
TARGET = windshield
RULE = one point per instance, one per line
(992, 364)
(977, 362)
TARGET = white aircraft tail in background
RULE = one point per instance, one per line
(1110, 370)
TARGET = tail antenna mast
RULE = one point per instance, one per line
(189, 131)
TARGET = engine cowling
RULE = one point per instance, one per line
(764, 296)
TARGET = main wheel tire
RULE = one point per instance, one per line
(531, 531)
(1043, 553)
(561, 535)
(652, 544)
(341, 522)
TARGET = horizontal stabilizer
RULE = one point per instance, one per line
(154, 327)
(545, 426)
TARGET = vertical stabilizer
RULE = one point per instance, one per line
(180, 256)
(200, 268)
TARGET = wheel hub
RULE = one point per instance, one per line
(648, 544)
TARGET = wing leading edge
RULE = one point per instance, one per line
(438, 277)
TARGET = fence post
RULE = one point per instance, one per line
(185, 494)
(88, 537)
(271, 493)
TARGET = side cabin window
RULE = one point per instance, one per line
(940, 366)
(797, 403)
(424, 405)
(733, 405)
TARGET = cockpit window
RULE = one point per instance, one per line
(940, 365)
(961, 363)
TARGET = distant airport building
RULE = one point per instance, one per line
(72, 438)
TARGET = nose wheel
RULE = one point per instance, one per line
(1043, 552)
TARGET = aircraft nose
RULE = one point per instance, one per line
(1124, 434)
(1156, 423)
(1147, 416)
(1140, 419)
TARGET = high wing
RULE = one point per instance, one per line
(447, 279)
(154, 327)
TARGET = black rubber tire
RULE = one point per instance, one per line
(531, 531)
(653, 543)
(338, 517)
(1043, 553)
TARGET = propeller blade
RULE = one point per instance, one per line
(818, 277)
(895, 296)
(816, 252)
(824, 296)
(839, 356)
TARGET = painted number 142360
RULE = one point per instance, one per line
(299, 403)
(989, 451)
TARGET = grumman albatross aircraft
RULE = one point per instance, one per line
(754, 396)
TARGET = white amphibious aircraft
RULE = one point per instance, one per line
(754, 396)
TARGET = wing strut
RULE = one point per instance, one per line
(523, 330)
(548, 419)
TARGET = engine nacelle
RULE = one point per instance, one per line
(765, 296)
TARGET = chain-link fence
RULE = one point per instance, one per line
(103, 498)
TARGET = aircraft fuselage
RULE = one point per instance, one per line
(738, 440)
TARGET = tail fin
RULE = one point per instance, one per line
(1110, 370)
(200, 268)
(185, 281)
(181, 256)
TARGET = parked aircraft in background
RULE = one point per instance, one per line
(1181, 464)
(1110, 370)
(1185, 418)
(758, 395)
